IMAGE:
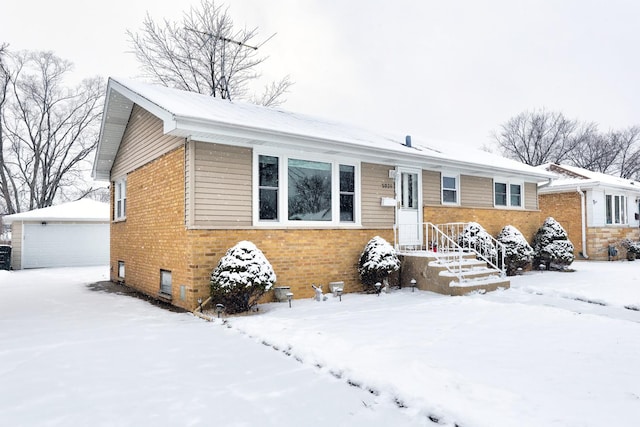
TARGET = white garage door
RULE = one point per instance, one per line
(65, 245)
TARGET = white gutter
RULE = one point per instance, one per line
(584, 224)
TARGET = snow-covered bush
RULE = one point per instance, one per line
(632, 247)
(474, 236)
(377, 261)
(242, 276)
(552, 246)
(518, 254)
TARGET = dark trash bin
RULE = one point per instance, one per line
(5, 257)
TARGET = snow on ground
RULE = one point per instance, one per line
(557, 349)
(70, 356)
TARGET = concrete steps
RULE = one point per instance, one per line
(453, 273)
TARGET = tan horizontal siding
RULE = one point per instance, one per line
(222, 189)
(142, 142)
(476, 192)
(375, 185)
(531, 195)
(431, 188)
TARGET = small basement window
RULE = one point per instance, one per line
(165, 282)
(121, 269)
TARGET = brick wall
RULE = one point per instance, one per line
(299, 258)
(153, 236)
(565, 208)
(599, 239)
(493, 220)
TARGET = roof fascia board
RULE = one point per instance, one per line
(150, 106)
(586, 186)
(187, 126)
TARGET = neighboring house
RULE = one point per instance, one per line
(67, 235)
(191, 175)
(596, 209)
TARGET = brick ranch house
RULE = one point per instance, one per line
(192, 175)
(596, 209)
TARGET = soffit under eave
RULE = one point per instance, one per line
(586, 186)
(118, 107)
(232, 134)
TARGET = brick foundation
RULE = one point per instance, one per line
(493, 220)
(565, 208)
(599, 239)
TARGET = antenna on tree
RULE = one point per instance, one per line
(223, 82)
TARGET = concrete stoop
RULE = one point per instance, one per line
(430, 271)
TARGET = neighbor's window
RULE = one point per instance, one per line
(268, 187)
(616, 209)
(515, 193)
(120, 199)
(121, 269)
(293, 190)
(507, 194)
(449, 189)
(500, 193)
(165, 282)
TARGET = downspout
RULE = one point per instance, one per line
(584, 224)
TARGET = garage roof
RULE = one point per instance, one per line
(84, 210)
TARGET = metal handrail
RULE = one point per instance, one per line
(444, 239)
(492, 253)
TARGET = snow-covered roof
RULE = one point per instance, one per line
(84, 210)
(205, 118)
(570, 178)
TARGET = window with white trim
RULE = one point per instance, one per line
(616, 209)
(120, 199)
(507, 194)
(450, 189)
(347, 193)
(296, 190)
(121, 269)
(268, 188)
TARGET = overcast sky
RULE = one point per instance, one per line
(442, 70)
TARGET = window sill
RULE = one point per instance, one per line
(511, 208)
(165, 296)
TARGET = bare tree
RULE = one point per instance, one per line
(6, 195)
(204, 53)
(47, 131)
(629, 156)
(539, 137)
(596, 151)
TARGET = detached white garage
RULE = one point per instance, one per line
(69, 235)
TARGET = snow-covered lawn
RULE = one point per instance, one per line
(557, 349)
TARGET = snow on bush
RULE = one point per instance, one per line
(632, 247)
(474, 236)
(552, 246)
(242, 276)
(377, 261)
(518, 254)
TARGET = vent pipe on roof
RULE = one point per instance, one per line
(407, 140)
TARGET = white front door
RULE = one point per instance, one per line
(409, 197)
